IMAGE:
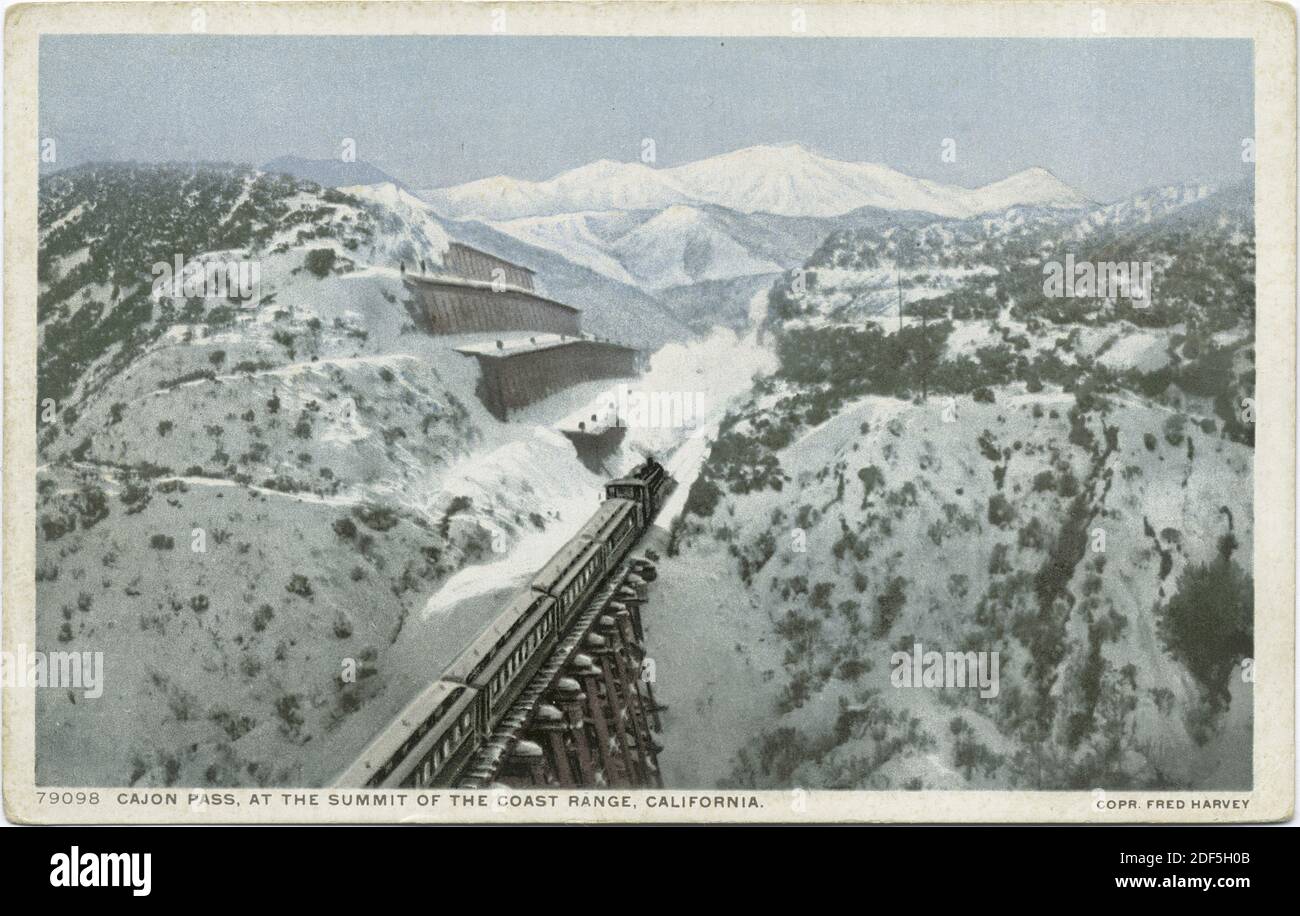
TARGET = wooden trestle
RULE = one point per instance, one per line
(586, 718)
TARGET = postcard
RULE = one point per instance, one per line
(649, 412)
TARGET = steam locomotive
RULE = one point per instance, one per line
(431, 740)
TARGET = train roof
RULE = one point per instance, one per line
(521, 606)
(569, 557)
(441, 693)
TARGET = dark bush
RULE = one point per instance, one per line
(298, 585)
(319, 261)
(1000, 511)
(1208, 624)
(345, 528)
(377, 518)
(889, 604)
(703, 498)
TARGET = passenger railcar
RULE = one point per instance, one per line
(434, 734)
(572, 573)
(504, 657)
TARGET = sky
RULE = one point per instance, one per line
(1107, 116)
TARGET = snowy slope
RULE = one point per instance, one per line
(1033, 187)
(684, 245)
(407, 217)
(800, 692)
(582, 238)
(649, 248)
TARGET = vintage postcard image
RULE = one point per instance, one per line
(649, 412)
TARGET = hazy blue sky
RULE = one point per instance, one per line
(1107, 116)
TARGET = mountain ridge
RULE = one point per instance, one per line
(784, 180)
(332, 173)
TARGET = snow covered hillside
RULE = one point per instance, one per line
(248, 505)
(1065, 482)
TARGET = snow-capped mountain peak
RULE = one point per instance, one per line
(678, 216)
(1034, 186)
(600, 185)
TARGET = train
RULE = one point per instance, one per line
(429, 743)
